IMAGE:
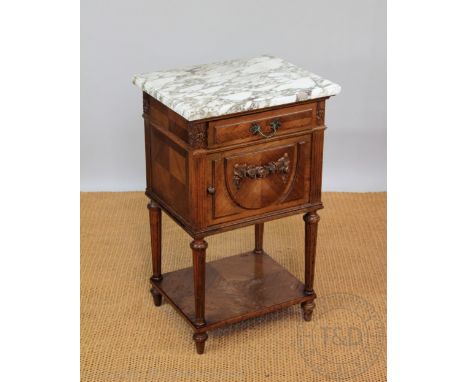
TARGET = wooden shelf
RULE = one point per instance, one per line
(237, 288)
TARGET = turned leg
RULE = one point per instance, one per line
(311, 220)
(155, 228)
(258, 238)
(199, 254)
(200, 339)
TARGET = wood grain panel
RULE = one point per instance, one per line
(169, 172)
(167, 119)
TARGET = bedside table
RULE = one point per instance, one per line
(229, 145)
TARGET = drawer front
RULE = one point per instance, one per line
(259, 179)
(261, 126)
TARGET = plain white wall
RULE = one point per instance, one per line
(341, 40)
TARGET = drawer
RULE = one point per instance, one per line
(261, 126)
(259, 179)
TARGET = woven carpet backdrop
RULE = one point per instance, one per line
(124, 337)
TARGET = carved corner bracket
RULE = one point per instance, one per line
(243, 171)
(320, 113)
(197, 136)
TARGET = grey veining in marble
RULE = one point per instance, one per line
(212, 90)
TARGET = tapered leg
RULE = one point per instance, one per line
(155, 228)
(311, 220)
(258, 238)
(307, 309)
(199, 254)
(200, 339)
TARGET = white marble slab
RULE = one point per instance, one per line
(212, 90)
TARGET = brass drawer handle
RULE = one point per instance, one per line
(242, 171)
(256, 129)
(211, 190)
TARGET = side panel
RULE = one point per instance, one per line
(169, 172)
(167, 119)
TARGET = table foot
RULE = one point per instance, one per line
(200, 339)
(307, 309)
(157, 297)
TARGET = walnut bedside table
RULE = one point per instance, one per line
(228, 145)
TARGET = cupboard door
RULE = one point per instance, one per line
(260, 178)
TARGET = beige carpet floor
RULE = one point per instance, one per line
(124, 337)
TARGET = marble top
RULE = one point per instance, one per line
(212, 90)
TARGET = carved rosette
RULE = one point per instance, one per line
(320, 113)
(242, 171)
(197, 136)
